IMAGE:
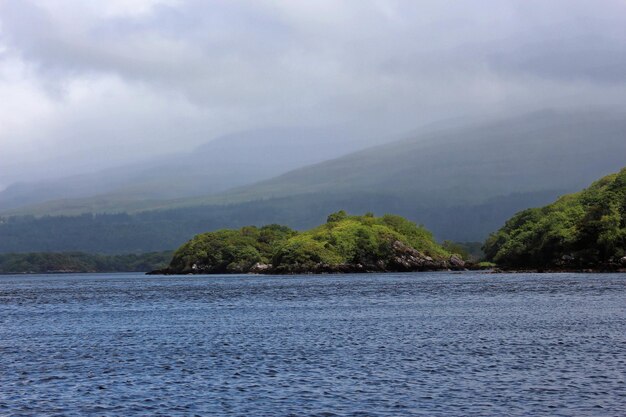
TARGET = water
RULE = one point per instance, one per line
(351, 345)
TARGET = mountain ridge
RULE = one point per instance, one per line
(438, 165)
(225, 162)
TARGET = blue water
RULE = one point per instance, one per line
(352, 345)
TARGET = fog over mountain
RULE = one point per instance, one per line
(87, 86)
(225, 162)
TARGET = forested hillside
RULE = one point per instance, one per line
(41, 263)
(166, 229)
(581, 230)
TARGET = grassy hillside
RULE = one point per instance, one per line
(343, 244)
(585, 229)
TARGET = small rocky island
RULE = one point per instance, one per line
(344, 244)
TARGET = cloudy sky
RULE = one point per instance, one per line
(89, 84)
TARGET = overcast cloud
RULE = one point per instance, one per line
(84, 85)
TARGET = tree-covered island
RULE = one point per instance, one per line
(344, 243)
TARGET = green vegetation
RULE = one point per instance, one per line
(343, 244)
(38, 263)
(582, 230)
(229, 251)
(353, 240)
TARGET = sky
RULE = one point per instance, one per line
(86, 85)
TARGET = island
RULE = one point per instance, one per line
(344, 244)
(584, 231)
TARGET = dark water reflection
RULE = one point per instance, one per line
(366, 345)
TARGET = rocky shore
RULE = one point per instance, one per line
(570, 264)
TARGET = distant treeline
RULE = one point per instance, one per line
(18, 263)
(159, 230)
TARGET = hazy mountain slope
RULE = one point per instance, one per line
(540, 152)
(535, 153)
(24, 194)
(223, 163)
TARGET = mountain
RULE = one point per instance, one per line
(223, 163)
(545, 151)
(462, 183)
(581, 230)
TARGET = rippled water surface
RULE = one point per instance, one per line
(335, 345)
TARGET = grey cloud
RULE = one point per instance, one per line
(197, 69)
(173, 48)
(235, 50)
(593, 59)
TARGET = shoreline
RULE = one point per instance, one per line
(492, 271)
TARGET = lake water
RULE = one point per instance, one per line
(337, 345)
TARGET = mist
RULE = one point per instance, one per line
(86, 86)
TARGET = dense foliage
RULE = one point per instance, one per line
(228, 251)
(586, 229)
(362, 241)
(81, 262)
(365, 240)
